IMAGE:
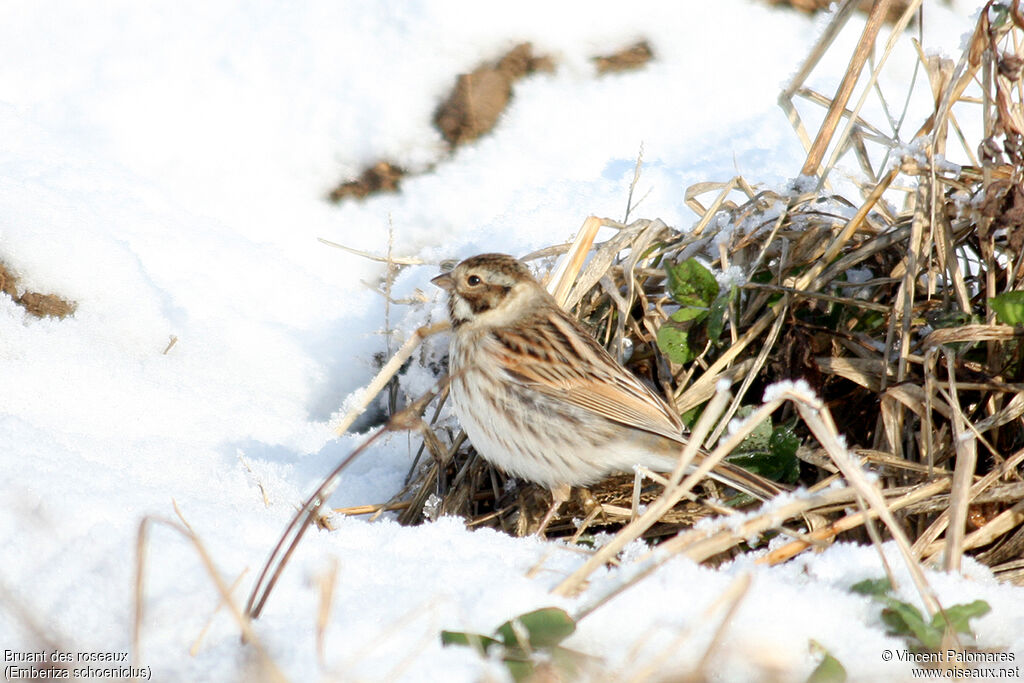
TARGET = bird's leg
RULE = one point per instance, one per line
(559, 495)
(592, 508)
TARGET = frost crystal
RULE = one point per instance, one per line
(799, 387)
(432, 507)
(732, 277)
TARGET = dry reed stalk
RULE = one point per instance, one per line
(357, 510)
(890, 44)
(326, 581)
(852, 521)
(407, 419)
(846, 86)
(924, 541)
(567, 271)
(733, 597)
(193, 650)
(1005, 521)
(966, 448)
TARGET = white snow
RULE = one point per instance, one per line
(164, 165)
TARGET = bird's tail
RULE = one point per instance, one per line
(746, 481)
(733, 476)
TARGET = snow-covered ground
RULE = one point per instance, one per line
(164, 165)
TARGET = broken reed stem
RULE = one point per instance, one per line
(730, 597)
(734, 595)
(854, 116)
(356, 510)
(700, 544)
(1005, 521)
(193, 650)
(296, 529)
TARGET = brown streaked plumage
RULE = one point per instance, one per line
(540, 398)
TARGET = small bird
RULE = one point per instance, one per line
(540, 398)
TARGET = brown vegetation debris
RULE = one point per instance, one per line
(626, 59)
(479, 97)
(381, 177)
(1004, 204)
(35, 303)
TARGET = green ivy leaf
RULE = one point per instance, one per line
(691, 284)
(545, 627)
(1009, 307)
(829, 669)
(768, 451)
(783, 445)
(674, 334)
(874, 587)
(542, 630)
(691, 416)
(757, 440)
(716, 314)
(958, 616)
(904, 619)
(474, 640)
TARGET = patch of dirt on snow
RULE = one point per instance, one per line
(35, 303)
(627, 59)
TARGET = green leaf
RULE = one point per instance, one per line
(958, 616)
(784, 444)
(674, 334)
(757, 441)
(542, 630)
(768, 451)
(690, 283)
(688, 316)
(1009, 307)
(904, 619)
(716, 314)
(691, 416)
(474, 640)
(829, 670)
(765, 464)
(874, 587)
(545, 627)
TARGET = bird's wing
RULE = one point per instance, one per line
(555, 356)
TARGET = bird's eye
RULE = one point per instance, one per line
(473, 280)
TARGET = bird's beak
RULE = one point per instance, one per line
(444, 281)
